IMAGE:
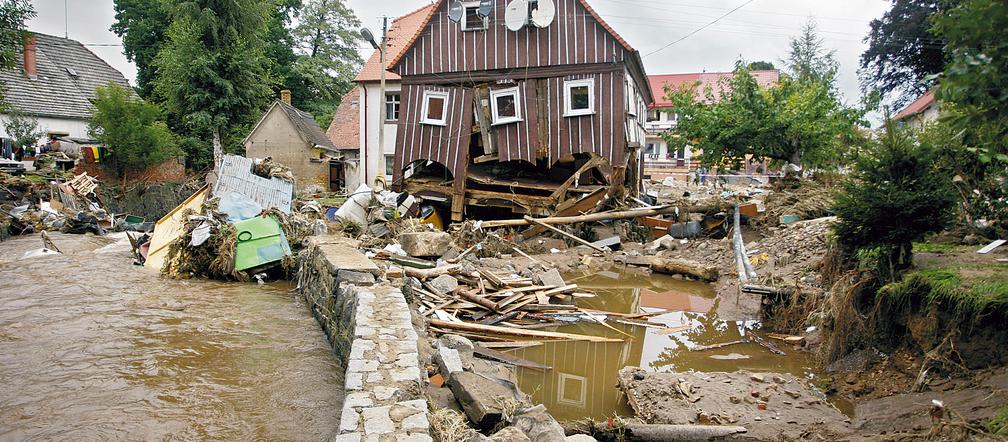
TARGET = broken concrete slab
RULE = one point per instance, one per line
(539, 425)
(552, 277)
(462, 344)
(448, 362)
(735, 399)
(510, 434)
(425, 244)
(444, 284)
(481, 397)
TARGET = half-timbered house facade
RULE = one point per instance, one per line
(534, 120)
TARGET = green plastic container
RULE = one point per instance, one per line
(261, 241)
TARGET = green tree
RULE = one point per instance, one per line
(903, 53)
(142, 24)
(13, 15)
(213, 73)
(973, 99)
(132, 128)
(761, 66)
(23, 129)
(894, 196)
(326, 39)
(792, 121)
(808, 59)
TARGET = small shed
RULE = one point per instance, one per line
(292, 138)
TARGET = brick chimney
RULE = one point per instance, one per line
(285, 96)
(30, 67)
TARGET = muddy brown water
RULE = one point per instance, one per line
(583, 379)
(94, 348)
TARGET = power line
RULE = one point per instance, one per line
(699, 29)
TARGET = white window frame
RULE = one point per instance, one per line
(512, 91)
(398, 104)
(570, 84)
(427, 95)
(466, 6)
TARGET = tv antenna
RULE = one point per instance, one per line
(516, 15)
(543, 13)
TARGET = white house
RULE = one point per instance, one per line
(922, 111)
(377, 110)
(658, 158)
(54, 82)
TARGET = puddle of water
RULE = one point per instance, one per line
(94, 348)
(583, 381)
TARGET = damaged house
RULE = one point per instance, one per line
(520, 107)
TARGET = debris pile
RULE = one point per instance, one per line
(244, 229)
(31, 205)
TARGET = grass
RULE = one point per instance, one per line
(998, 425)
(968, 290)
(931, 247)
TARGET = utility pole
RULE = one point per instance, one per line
(381, 167)
(380, 151)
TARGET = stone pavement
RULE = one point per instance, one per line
(383, 371)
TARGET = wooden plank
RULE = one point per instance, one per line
(511, 344)
(495, 355)
(575, 238)
(510, 331)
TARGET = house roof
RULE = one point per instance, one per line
(706, 79)
(433, 7)
(401, 33)
(344, 131)
(918, 106)
(57, 92)
(303, 122)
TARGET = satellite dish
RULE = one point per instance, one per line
(455, 11)
(544, 13)
(485, 8)
(516, 15)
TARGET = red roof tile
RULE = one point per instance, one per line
(706, 79)
(401, 34)
(344, 131)
(917, 106)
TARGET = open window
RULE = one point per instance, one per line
(471, 20)
(579, 97)
(505, 105)
(435, 108)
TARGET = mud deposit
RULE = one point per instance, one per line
(584, 376)
(93, 348)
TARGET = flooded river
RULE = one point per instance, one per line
(94, 348)
(583, 379)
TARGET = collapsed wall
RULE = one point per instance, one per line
(371, 330)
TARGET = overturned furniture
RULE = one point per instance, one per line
(518, 121)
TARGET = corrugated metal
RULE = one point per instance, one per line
(236, 175)
(574, 37)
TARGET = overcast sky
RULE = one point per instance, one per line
(757, 31)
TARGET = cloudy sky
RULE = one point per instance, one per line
(759, 30)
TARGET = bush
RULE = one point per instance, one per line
(132, 129)
(893, 197)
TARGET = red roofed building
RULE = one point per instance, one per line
(922, 111)
(661, 118)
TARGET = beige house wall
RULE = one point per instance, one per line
(276, 137)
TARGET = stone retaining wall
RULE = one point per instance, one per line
(371, 330)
